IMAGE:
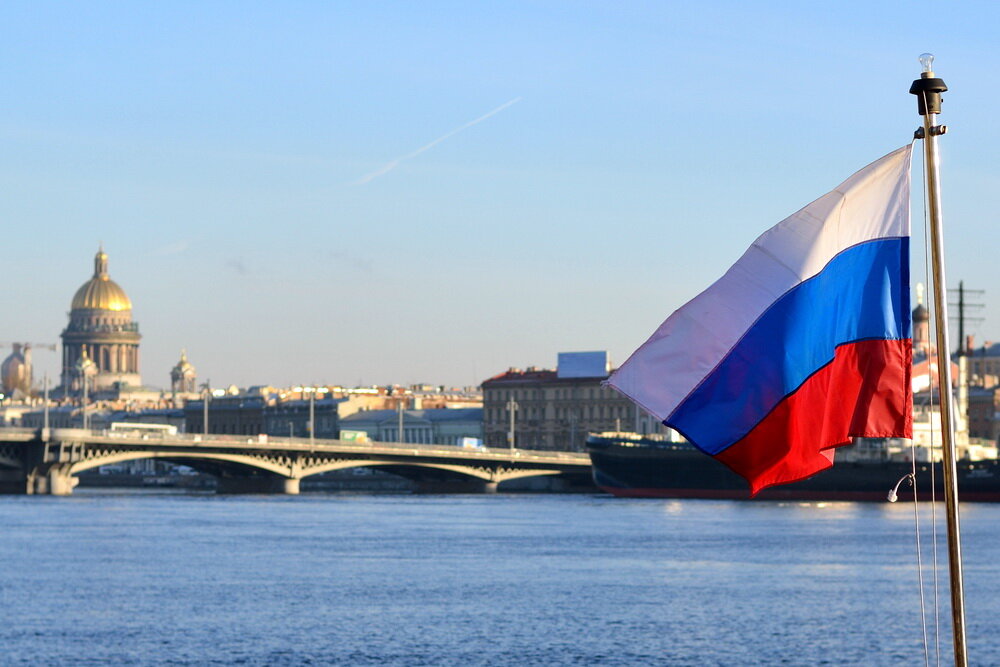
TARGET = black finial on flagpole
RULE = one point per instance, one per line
(928, 88)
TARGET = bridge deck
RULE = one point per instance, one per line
(47, 462)
(272, 443)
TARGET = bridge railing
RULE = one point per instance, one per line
(298, 444)
(17, 430)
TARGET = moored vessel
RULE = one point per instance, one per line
(631, 465)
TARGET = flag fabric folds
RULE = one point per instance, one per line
(803, 344)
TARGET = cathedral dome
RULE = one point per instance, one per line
(183, 366)
(100, 292)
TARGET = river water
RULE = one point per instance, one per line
(186, 579)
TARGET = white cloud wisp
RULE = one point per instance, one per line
(392, 164)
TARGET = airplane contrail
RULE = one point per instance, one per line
(392, 164)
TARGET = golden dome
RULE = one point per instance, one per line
(100, 292)
(183, 365)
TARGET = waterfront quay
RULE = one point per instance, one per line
(41, 461)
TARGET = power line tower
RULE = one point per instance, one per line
(962, 316)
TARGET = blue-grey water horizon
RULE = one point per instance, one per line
(115, 577)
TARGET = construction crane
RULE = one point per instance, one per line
(44, 346)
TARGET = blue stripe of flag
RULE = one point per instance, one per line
(861, 294)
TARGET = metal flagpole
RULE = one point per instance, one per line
(928, 90)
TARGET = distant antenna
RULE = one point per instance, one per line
(962, 316)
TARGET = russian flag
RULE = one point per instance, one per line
(802, 345)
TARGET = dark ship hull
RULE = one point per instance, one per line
(640, 468)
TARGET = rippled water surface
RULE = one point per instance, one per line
(132, 578)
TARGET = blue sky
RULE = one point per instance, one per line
(220, 152)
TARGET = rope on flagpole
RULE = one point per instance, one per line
(912, 479)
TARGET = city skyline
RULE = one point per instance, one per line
(356, 195)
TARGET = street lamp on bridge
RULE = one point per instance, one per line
(312, 414)
(207, 394)
(512, 408)
(45, 409)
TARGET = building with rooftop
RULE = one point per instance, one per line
(439, 426)
(557, 409)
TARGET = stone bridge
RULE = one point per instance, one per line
(47, 461)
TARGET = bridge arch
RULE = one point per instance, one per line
(465, 471)
(266, 465)
(482, 473)
(9, 458)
